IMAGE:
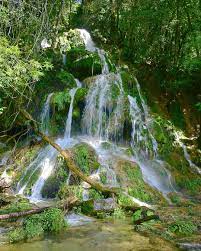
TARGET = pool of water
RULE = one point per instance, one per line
(95, 236)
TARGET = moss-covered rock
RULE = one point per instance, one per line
(130, 178)
(83, 64)
(85, 158)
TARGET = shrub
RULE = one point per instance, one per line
(51, 220)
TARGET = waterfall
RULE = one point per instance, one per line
(46, 159)
(45, 115)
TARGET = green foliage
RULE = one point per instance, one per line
(198, 106)
(51, 220)
(70, 40)
(125, 200)
(33, 226)
(182, 227)
(137, 215)
(60, 99)
(16, 235)
(17, 75)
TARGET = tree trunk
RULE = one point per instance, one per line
(67, 205)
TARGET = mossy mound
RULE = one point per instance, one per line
(130, 178)
(83, 64)
(85, 158)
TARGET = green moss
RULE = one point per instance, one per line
(23, 157)
(80, 94)
(87, 207)
(175, 198)
(66, 79)
(83, 64)
(85, 157)
(103, 177)
(128, 83)
(139, 189)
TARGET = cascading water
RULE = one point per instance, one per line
(144, 147)
(45, 115)
(103, 121)
(46, 159)
(72, 93)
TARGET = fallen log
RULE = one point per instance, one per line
(67, 205)
(68, 156)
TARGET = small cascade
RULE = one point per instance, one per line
(102, 115)
(144, 147)
(72, 92)
(45, 115)
(46, 159)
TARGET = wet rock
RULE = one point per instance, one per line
(190, 246)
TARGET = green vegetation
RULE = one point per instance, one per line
(130, 176)
(185, 228)
(86, 158)
(16, 205)
(51, 220)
